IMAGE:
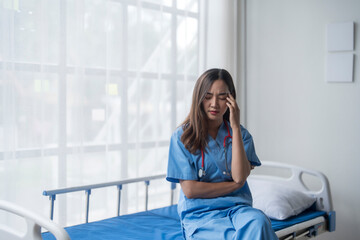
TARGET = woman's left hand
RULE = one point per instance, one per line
(234, 112)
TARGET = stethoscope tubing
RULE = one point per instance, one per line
(202, 169)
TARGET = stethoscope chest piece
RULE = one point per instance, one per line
(201, 173)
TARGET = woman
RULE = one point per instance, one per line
(211, 155)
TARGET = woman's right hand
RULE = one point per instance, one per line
(234, 112)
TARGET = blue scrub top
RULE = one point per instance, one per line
(183, 165)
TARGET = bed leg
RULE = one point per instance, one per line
(52, 199)
(332, 221)
(87, 192)
(119, 187)
(147, 183)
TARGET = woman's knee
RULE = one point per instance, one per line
(250, 216)
(252, 223)
(260, 219)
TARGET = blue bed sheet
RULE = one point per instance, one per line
(162, 223)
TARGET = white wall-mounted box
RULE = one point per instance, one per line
(340, 36)
(339, 67)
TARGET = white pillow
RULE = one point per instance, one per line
(278, 201)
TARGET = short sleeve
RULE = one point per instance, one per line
(180, 164)
(249, 147)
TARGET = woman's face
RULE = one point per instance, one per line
(214, 103)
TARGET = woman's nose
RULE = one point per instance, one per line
(214, 101)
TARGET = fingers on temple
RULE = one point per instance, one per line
(232, 102)
(230, 105)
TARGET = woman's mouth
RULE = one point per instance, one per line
(214, 112)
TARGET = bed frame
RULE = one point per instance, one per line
(304, 230)
(313, 227)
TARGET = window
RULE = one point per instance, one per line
(91, 91)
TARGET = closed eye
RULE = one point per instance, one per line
(208, 96)
(221, 96)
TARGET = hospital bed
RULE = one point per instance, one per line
(164, 223)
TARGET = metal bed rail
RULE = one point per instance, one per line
(87, 189)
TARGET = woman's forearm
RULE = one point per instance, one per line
(240, 166)
(196, 189)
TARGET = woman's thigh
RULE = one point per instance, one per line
(240, 222)
(212, 228)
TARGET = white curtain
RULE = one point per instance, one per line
(91, 91)
(222, 37)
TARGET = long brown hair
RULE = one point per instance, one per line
(195, 125)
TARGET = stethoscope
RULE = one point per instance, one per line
(202, 169)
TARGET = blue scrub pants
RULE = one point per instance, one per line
(239, 222)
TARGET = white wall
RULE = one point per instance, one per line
(293, 114)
